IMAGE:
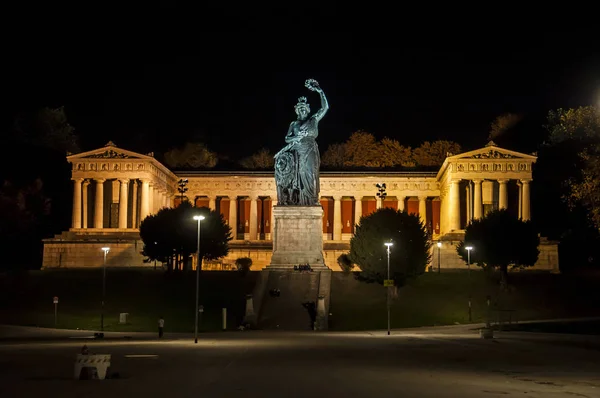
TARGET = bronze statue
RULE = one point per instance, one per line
(297, 164)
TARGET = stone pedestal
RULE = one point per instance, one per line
(298, 237)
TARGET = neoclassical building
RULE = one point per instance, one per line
(114, 189)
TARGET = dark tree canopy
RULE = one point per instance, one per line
(409, 254)
(35, 200)
(500, 240)
(174, 231)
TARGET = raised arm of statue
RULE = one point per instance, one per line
(312, 85)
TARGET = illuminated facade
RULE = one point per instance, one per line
(114, 189)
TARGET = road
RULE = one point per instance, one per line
(434, 362)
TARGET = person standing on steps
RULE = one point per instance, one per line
(161, 325)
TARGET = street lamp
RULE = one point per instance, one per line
(105, 250)
(439, 245)
(469, 248)
(197, 218)
(388, 244)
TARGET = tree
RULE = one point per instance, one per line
(410, 253)
(194, 155)
(243, 265)
(500, 240)
(392, 154)
(503, 124)
(334, 156)
(434, 153)
(577, 133)
(26, 209)
(361, 150)
(173, 231)
(36, 199)
(261, 160)
(46, 127)
(345, 262)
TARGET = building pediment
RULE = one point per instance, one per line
(109, 151)
(491, 151)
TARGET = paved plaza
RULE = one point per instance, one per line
(426, 362)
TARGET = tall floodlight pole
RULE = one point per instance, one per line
(388, 244)
(105, 250)
(469, 248)
(439, 245)
(182, 188)
(198, 260)
(381, 192)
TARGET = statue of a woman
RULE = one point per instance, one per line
(297, 164)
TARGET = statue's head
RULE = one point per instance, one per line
(302, 108)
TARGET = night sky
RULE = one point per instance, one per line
(149, 86)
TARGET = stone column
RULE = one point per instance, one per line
(150, 197)
(454, 205)
(477, 200)
(134, 203)
(401, 203)
(423, 209)
(253, 217)
(76, 219)
(378, 202)
(84, 223)
(469, 203)
(99, 203)
(233, 216)
(212, 204)
(526, 201)
(502, 194)
(357, 210)
(520, 185)
(337, 218)
(272, 221)
(163, 198)
(145, 201)
(123, 205)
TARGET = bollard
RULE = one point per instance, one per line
(249, 316)
(224, 318)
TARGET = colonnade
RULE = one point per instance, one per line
(136, 199)
(474, 199)
(251, 216)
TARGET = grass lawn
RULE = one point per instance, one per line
(442, 299)
(145, 294)
(432, 299)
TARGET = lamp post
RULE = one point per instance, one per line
(439, 245)
(105, 250)
(381, 192)
(388, 244)
(182, 187)
(197, 218)
(469, 248)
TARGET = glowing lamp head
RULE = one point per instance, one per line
(106, 249)
(198, 218)
(439, 244)
(389, 244)
(469, 248)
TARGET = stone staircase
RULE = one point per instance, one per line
(286, 312)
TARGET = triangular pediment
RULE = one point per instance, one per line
(491, 151)
(109, 151)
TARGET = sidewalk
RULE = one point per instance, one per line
(20, 333)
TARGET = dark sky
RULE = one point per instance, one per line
(148, 85)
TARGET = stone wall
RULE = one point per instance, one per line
(82, 251)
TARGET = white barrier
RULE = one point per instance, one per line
(100, 363)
